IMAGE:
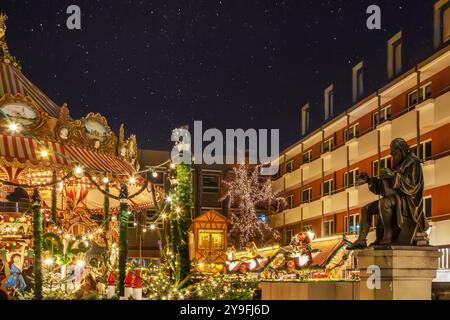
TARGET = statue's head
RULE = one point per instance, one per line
(3, 19)
(399, 150)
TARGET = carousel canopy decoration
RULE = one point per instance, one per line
(31, 122)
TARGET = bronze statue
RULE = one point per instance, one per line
(400, 216)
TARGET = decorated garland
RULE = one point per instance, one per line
(37, 225)
(123, 236)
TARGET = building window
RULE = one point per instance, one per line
(441, 23)
(305, 119)
(384, 163)
(290, 202)
(328, 187)
(384, 115)
(351, 132)
(358, 81)
(306, 195)
(307, 156)
(328, 145)
(413, 100)
(328, 228)
(210, 183)
(289, 234)
(210, 239)
(353, 225)
(350, 178)
(424, 150)
(394, 62)
(329, 102)
(289, 166)
(427, 206)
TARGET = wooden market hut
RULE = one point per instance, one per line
(208, 238)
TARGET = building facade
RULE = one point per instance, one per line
(318, 175)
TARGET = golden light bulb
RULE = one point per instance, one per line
(44, 153)
(13, 127)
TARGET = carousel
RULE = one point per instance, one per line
(73, 169)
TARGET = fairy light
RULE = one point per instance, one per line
(80, 263)
(132, 180)
(44, 153)
(152, 227)
(172, 165)
(154, 174)
(48, 262)
(13, 127)
(178, 210)
(105, 180)
(78, 171)
(169, 199)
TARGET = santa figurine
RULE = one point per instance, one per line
(137, 286)
(128, 284)
(111, 286)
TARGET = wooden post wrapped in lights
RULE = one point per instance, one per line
(123, 236)
(37, 225)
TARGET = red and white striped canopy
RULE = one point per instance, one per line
(23, 150)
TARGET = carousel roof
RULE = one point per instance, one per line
(13, 82)
(26, 151)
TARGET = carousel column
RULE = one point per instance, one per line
(123, 236)
(37, 226)
(54, 199)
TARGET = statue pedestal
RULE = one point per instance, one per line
(405, 272)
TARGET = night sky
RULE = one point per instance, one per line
(156, 65)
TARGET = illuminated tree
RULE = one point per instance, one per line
(249, 191)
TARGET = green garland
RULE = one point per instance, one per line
(123, 237)
(106, 204)
(54, 194)
(37, 248)
(180, 222)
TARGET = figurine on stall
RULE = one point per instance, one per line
(15, 279)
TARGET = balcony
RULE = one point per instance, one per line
(278, 185)
(441, 109)
(312, 170)
(293, 178)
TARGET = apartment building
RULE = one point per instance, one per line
(318, 174)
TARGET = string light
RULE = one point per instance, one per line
(154, 174)
(48, 262)
(152, 227)
(44, 153)
(169, 199)
(105, 180)
(13, 127)
(132, 180)
(78, 171)
(172, 165)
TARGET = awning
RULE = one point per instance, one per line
(27, 151)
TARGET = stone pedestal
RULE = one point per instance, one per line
(405, 272)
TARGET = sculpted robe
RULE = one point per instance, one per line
(407, 188)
